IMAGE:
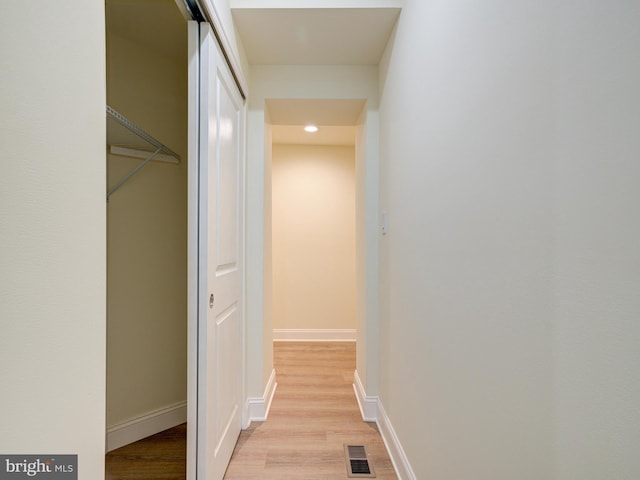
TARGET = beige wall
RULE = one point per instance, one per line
(52, 234)
(146, 341)
(313, 191)
(509, 276)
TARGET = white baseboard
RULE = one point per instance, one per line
(258, 407)
(396, 453)
(368, 405)
(314, 335)
(141, 427)
(372, 410)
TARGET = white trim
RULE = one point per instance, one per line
(372, 411)
(145, 425)
(193, 127)
(258, 407)
(314, 335)
(396, 452)
(368, 405)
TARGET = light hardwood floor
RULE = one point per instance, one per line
(314, 413)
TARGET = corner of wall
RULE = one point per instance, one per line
(368, 405)
(257, 408)
(372, 410)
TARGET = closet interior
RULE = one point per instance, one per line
(146, 188)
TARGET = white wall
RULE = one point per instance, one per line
(314, 281)
(597, 234)
(367, 250)
(52, 239)
(265, 336)
(259, 341)
(510, 272)
(259, 358)
(147, 238)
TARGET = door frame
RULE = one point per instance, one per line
(193, 261)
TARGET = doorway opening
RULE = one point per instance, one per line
(146, 225)
(315, 181)
(313, 238)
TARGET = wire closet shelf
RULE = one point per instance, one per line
(126, 138)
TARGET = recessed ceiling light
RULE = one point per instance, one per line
(311, 128)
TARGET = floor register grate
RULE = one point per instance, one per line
(358, 463)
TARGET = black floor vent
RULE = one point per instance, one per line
(358, 464)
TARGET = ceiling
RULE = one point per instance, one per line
(315, 111)
(314, 36)
(287, 32)
(336, 120)
(314, 32)
(327, 135)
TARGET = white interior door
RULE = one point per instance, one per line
(220, 277)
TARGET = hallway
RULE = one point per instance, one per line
(313, 414)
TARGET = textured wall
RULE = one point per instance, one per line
(597, 233)
(52, 234)
(510, 271)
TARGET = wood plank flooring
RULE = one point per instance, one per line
(314, 412)
(158, 457)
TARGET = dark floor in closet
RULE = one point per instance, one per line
(159, 457)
